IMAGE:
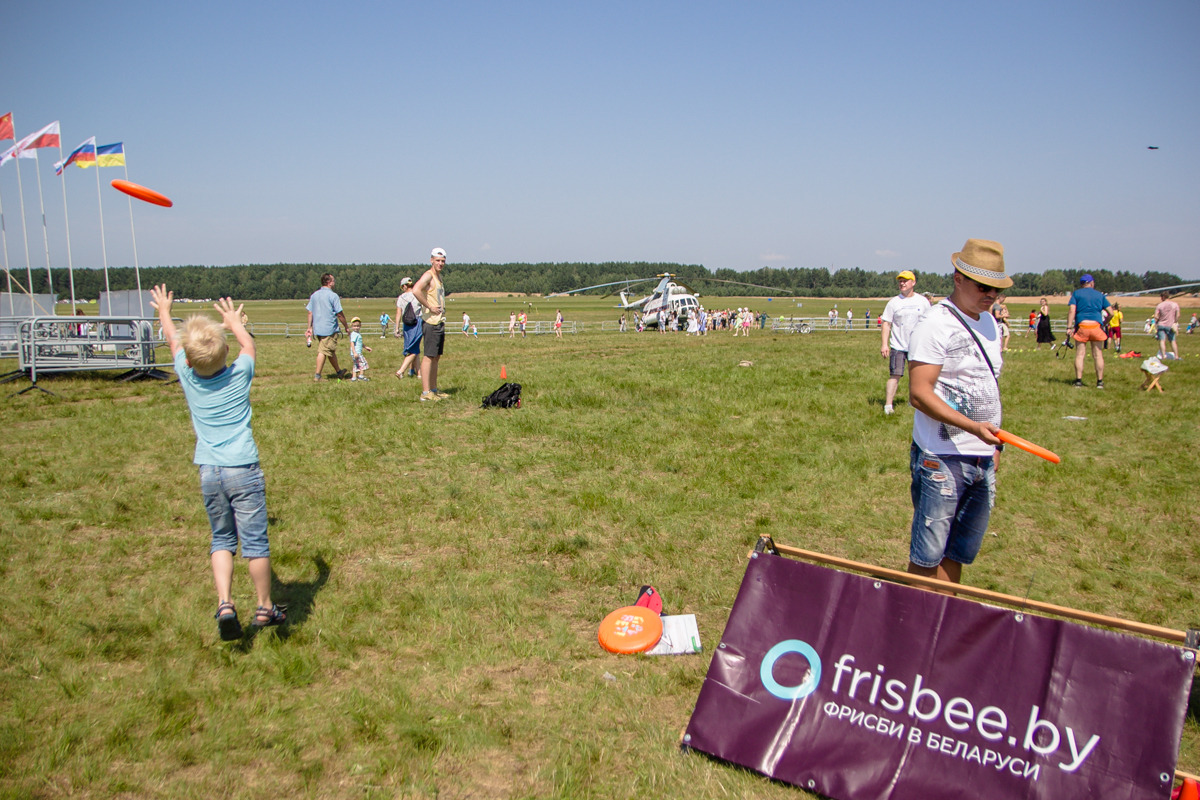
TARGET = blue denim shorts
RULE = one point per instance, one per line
(412, 340)
(236, 501)
(952, 500)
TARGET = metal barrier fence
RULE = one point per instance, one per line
(538, 328)
(76, 344)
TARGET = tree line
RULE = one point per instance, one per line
(298, 281)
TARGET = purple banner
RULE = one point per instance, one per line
(859, 689)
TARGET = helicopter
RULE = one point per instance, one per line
(669, 295)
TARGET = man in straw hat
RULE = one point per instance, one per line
(899, 318)
(954, 367)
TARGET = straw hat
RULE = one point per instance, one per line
(982, 261)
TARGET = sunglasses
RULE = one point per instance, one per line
(983, 289)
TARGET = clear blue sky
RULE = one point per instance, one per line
(793, 134)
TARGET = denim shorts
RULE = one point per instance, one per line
(412, 340)
(236, 501)
(1166, 333)
(952, 500)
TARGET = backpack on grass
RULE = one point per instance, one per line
(507, 396)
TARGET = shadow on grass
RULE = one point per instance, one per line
(296, 598)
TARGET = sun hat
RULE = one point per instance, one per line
(406, 281)
(438, 253)
(982, 261)
(906, 276)
(1086, 278)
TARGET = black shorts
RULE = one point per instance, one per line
(435, 338)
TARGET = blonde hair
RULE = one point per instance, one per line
(203, 341)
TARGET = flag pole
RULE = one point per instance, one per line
(67, 223)
(137, 270)
(45, 230)
(100, 205)
(3, 230)
(4, 236)
(25, 231)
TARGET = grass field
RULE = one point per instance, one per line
(446, 567)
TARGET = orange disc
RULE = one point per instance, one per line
(632, 629)
(142, 193)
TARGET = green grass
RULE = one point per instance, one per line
(446, 567)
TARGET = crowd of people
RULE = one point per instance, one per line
(953, 352)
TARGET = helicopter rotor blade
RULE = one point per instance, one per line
(600, 286)
(743, 283)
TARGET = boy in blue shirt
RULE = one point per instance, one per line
(231, 480)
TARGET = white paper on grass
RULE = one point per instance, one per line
(680, 636)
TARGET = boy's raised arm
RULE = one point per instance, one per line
(232, 318)
(160, 300)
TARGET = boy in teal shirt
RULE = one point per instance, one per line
(231, 480)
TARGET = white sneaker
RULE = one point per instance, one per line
(889, 410)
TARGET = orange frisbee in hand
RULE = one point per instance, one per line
(142, 193)
(632, 629)
(1027, 446)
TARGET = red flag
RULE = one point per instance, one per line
(46, 137)
(6, 128)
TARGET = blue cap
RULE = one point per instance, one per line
(1086, 278)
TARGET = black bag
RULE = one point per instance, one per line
(409, 316)
(507, 396)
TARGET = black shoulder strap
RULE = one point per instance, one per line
(978, 343)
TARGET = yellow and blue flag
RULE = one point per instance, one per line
(111, 155)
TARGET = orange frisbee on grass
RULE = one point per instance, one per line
(632, 629)
(1027, 446)
(142, 193)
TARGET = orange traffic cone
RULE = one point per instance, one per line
(1189, 790)
(504, 377)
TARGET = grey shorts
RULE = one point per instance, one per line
(896, 362)
(435, 338)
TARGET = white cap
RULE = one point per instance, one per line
(438, 253)
(406, 282)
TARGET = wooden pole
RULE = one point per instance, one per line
(1019, 603)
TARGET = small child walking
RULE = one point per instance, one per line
(358, 366)
(231, 480)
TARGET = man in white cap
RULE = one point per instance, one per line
(899, 318)
(431, 294)
(953, 386)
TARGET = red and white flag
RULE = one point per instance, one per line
(11, 153)
(46, 137)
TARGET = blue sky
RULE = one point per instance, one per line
(870, 134)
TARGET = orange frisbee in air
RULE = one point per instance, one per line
(632, 629)
(1027, 446)
(142, 193)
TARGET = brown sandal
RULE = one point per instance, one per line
(264, 616)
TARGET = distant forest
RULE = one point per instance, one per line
(298, 281)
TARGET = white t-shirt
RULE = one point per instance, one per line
(408, 299)
(965, 382)
(903, 313)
